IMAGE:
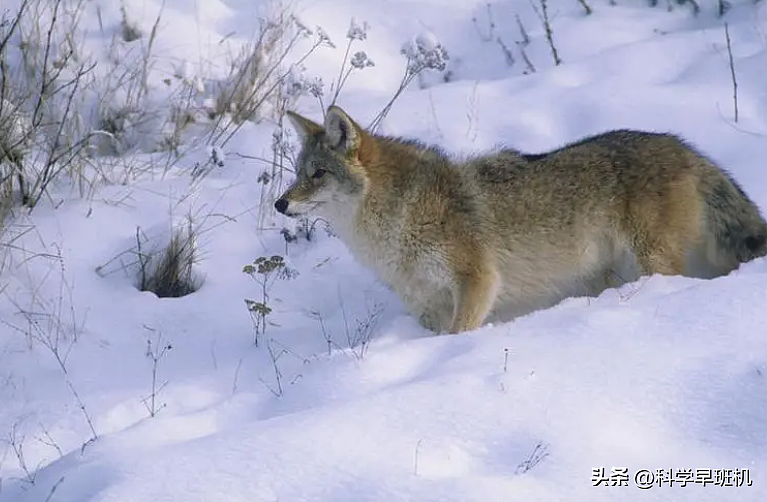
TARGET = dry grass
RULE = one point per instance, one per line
(168, 272)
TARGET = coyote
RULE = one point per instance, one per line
(502, 235)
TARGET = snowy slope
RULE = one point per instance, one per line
(666, 373)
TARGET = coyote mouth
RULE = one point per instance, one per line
(306, 208)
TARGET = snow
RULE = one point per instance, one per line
(346, 398)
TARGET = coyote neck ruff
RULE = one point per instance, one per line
(508, 233)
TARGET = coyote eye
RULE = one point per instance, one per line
(319, 173)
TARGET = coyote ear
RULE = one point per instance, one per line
(341, 131)
(303, 126)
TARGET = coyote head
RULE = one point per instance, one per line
(329, 174)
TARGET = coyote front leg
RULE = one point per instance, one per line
(474, 294)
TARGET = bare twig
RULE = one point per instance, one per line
(54, 488)
(415, 459)
(490, 25)
(586, 6)
(732, 71)
(522, 32)
(522, 44)
(275, 357)
(152, 38)
(16, 443)
(51, 334)
(14, 24)
(359, 339)
(543, 14)
(341, 77)
(526, 59)
(49, 441)
(506, 51)
(236, 375)
(156, 353)
(325, 334)
(538, 454)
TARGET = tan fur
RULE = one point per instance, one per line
(508, 233)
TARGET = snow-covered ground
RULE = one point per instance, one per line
(664, 374)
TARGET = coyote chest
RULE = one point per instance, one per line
(406, 265)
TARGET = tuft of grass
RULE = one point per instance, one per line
(129, 30)
(168, 272)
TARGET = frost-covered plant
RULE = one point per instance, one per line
(42, 73)
(298, 84)
(155, 353)
(265, 271)
(48, 320)
(216, 158)
(358, 31)
(282, 159)
(424, 52)
(15, 139)
(134, 114)
(255, 87)
(359, 340)
(304, 229)
(361, 60)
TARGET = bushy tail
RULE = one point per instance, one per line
(733, 221)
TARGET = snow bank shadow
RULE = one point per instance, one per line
(731, 413)
(343, 378)
(56, 482)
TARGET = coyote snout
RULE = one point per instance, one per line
(301, 198)
(509, 233)
(293, 210)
